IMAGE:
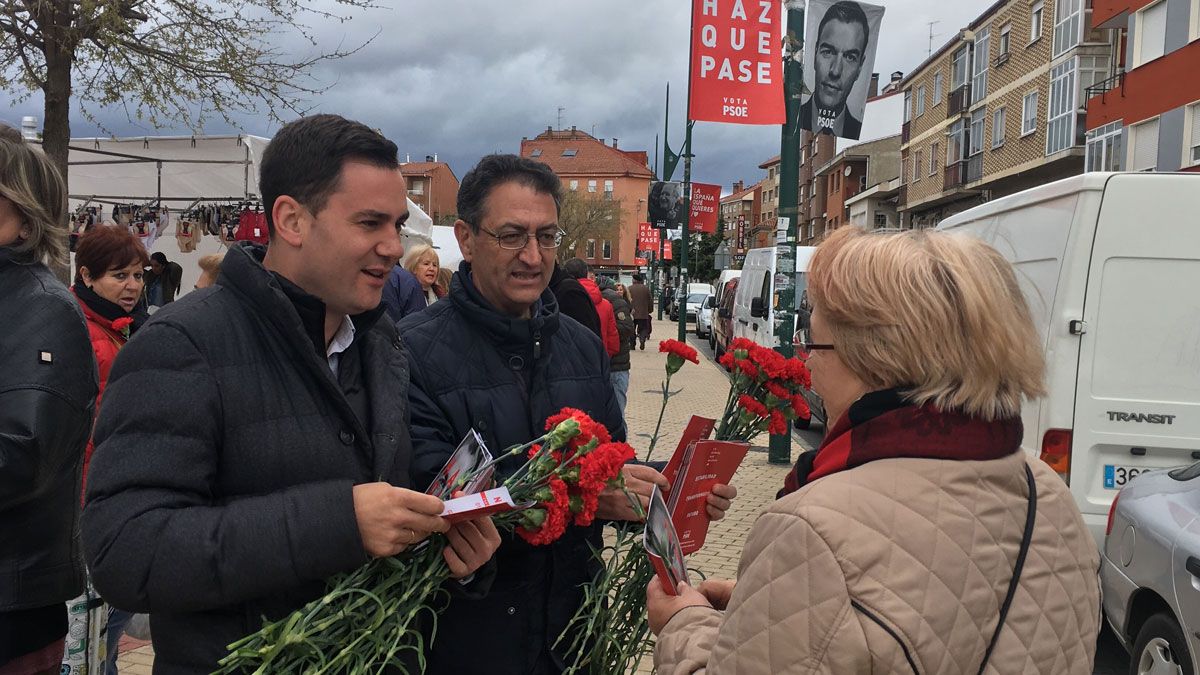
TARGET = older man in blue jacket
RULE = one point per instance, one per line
(500, 358)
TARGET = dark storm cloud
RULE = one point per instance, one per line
(462, 78)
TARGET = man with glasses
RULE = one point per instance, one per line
(500, 358)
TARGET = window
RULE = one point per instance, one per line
(917, 166)
(998, 128)
(574, 185)
(591, 248)
(1005, 41)
(934, 151)
(979, 71)
(959, 69)
(1067, 23)
(608, 189)
(1143, 146)
(1191, 142)
(1104, 148)
(1029, 113)
(920, 101)
(937, 89)
(881, 219)
(1092, 71)
(1150, 40)
(1035, 21)
(955, 142)
(976, 135)
(1060, 113)
(569, 152)
(536, 153)
(903, 170)
(1194, 31)
(907, 105)
(591, 186)
(606, 249)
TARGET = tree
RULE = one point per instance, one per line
(174, 61)
(584, 217)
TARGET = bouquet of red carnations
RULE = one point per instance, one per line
(610, 632)
(371, 619)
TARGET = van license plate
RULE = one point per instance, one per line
(1116, 476)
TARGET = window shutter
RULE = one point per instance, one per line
(1145, 146)
(1153, 33)
(1194, 150)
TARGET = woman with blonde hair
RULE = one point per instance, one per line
(919, 537)
(46, 405)
(210, 269)
(422, 261)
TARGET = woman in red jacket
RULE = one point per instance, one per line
(109, 264)
(109, 267)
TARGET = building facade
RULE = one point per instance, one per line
(815, 151)
(850, 173)
(999, 108)
(433, 186)
(763, 231)
(739, 213)
(602, 171)
(1147, 116)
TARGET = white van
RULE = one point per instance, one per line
(755, 303)
(1110, 266)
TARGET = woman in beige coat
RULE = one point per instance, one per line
(919, 538)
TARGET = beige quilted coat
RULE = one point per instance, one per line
(901, 565)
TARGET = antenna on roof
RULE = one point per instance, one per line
(931, 36)
(560, 112)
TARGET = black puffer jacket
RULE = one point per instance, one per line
(48, 387)
(226, 450)
(626, 329)
(475, 368)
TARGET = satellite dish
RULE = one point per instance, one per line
(849, 170)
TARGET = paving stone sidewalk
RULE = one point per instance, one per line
(701, 390)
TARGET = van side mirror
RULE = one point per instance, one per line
(724, 313)
(757, 310)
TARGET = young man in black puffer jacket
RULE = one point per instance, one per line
(501, 358)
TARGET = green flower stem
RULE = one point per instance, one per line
(657, 427)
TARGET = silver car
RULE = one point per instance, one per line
(704, 317)
(1150, 571)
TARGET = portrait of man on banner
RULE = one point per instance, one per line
(841, 38)
(666, 204)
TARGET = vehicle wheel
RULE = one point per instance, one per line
(803, 422)
(712, 341)
(1161, 648)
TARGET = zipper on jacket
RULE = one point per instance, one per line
(537, 344)
(879, 622)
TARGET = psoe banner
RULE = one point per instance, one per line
(647, 238)
(839, 55)
(737, 68)
(705, 199)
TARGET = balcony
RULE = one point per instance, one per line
(905, 132)
(958, 101)
(963, 172)
(1101, 89)
(1112, 13)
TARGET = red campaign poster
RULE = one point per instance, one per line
(737, 65)
(647, 237)
(705, 199)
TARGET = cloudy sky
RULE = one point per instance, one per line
(462, 78)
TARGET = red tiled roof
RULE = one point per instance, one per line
(769, 162)
(740, 195)
(592, 157)
(420, 168)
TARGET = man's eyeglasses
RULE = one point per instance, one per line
(803, 340)
(517, 240)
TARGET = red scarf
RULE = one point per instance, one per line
(882, 425)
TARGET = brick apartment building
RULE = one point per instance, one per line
(853, 171)
(763, 230)
(433, 186)
(604, 171)
(1147, 116)
(998, 109)
(739, 212)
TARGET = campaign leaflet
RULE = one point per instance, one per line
(461, 472)
(705, 464)
(478, 505)
(697, 428)
(662, 545)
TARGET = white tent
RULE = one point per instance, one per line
(179, 172)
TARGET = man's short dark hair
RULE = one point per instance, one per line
(848, 12)
(576, 268)
(304, 160)
(495, 170)
(637, 276)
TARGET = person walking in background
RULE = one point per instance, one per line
(210, 269)
(578, 269)
(643, 304)
(444, 276)
(422, 262)
(162, 280)
(254, 439)
(573, 301)
(919, 537)
(616, 295)
(109, 263)
(47, 401)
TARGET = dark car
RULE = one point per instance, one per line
(722, 325)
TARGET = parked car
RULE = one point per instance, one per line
(704, 317)
(1105, 266)
(722, 332)
(1150, 570)
(690, 304)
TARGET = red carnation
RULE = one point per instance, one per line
(800, 407)
(558, 509)
(778, 425)
(562, 416)
(752, 406)
(677, 353)
(122, 325)
(749, 369)
(778, 391)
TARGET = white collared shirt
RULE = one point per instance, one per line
(341, 341)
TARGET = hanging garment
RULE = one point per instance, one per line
(187, 234)
(252, 226)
